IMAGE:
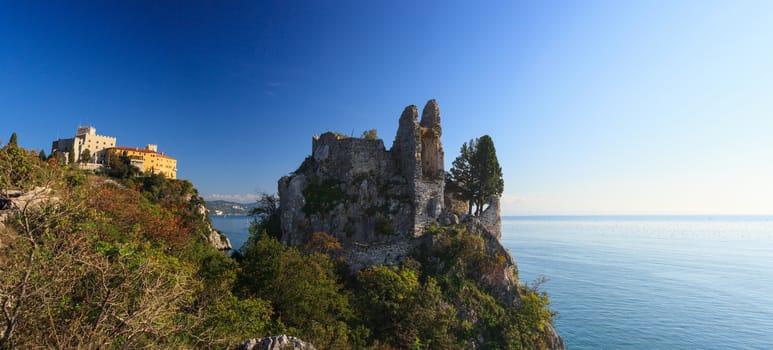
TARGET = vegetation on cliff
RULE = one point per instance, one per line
(101, 262)
(94, 262)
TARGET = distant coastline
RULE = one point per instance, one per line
(643, 217)
(227, 208)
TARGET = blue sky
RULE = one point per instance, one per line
(602, 107)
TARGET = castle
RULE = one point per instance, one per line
(86, 138)
(361, 193)
(378, 203)
(101, 148)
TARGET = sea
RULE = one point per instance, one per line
(642, 282)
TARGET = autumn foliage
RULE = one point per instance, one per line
(125, 212)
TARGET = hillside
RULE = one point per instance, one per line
(91, 261)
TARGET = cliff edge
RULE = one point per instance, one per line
(387, 205)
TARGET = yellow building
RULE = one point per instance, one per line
(148, 159)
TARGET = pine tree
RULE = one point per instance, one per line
(475, 174)
(42, 155)
(460, 179)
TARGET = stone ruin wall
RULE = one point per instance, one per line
(403, 185)
(420, 152)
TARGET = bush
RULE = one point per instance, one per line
(322, 196)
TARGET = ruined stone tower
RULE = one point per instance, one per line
(420, 155)
(361, 193)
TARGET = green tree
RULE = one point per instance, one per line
(402, 311)
(121, 167)
(266, 216)
(475, 174)
(85, 156)
(487, 171)
(18, 169)
(302, 288)
(42, 155)
(71, 157)
(13, 140)
(460, 179)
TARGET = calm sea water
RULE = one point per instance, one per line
(642, 282)
(237, 228)
(652, 282)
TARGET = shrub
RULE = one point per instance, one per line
(322, 195)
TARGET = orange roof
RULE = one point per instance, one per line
(142, 150)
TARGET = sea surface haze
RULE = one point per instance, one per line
(642, 282)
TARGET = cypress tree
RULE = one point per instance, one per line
(487, 171)
(475, 174)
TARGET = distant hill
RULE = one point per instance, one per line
(220, 207)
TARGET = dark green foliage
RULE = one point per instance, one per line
(460, 180)
(384, 226)
(322, 195)
(19, 170)
(42, 155)
(487, 170)
(303, 289)
(475, 174)
(120, 167)
(458, 260)
(305, 166)
(403, 312)
(13, 141)
(85, 156)
(266, 216)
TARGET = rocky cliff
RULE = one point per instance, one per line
(386, 205)
(363, 194)
(216, 238)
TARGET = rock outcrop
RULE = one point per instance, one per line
(281, 342)
(380, 203)
(363, 194)
(12, 201)
(216, 238)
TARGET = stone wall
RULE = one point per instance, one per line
(359, 192)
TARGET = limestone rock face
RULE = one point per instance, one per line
(491, 217)
(281, 342)
(219, 240)
(216, 238)
(503, 279)
(12, 201)
(555, 342)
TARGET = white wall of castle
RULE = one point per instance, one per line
(86, 138)
(96, 144)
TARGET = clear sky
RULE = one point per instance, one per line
(595, 107)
